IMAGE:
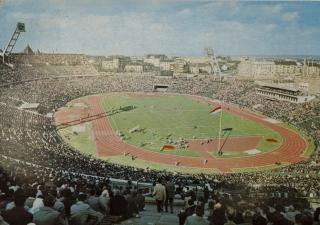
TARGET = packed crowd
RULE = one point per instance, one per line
(50, 59)
(84, 201)
(80, 202)
(32, 153)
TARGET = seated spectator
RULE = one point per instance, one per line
(132, 204)
(258, 220)
(37, 204)
(82, 213)
(93, 201)
(306, 219)
(47, 215)
(104, 200)
(298, 219)
(58, 205)
(218, 215)
(187, 211)
(197, 218)
(5, 198)
(2, 222)
(230, 215)
(18, 215)
(118, 205)
(316, 215)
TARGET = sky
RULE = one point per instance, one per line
(172, 27)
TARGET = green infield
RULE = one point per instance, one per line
(150, 122)
(180, 123)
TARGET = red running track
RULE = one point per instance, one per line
(109, 144)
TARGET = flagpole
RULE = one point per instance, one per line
(220, 131)
(220, 81)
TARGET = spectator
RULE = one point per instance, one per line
(118, 205)
(159, 193)
(82, 214)
(18, 215)
(140, 200)
(47, 215)
(93, 201)
(169, 195)
(197, 218)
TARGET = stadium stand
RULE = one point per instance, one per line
(35, 161)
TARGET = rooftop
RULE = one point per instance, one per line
(280, 86)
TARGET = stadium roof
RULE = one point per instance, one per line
(282, 87)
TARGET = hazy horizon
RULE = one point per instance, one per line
(181, 28)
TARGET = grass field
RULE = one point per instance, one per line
(166, 119)
(82, 141)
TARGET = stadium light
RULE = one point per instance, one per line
(21, 27)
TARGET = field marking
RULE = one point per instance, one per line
(115, 123)
(221, 166)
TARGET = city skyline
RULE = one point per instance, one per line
(172, 28)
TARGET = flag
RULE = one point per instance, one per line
(227, 129)
(216, 110)
(167, 147)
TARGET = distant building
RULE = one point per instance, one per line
(138, 67)
(115, 63)
(179, 66)
(267, 69)
(155, 59)
(309, 84)
(311, 69)
(165, 64)
(198, 68)
(285, 68)
(134, 67)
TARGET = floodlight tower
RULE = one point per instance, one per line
(12, 42)
(213, 61)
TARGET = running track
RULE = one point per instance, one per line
(109, 144)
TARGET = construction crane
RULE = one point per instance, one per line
(12, 42)
(213, 61)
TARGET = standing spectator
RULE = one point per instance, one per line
(206, 194)
(18, 215)
(67, 200)
(159, 193)
(141, 200)
(169, 195)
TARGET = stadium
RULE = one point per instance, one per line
(70, 129)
